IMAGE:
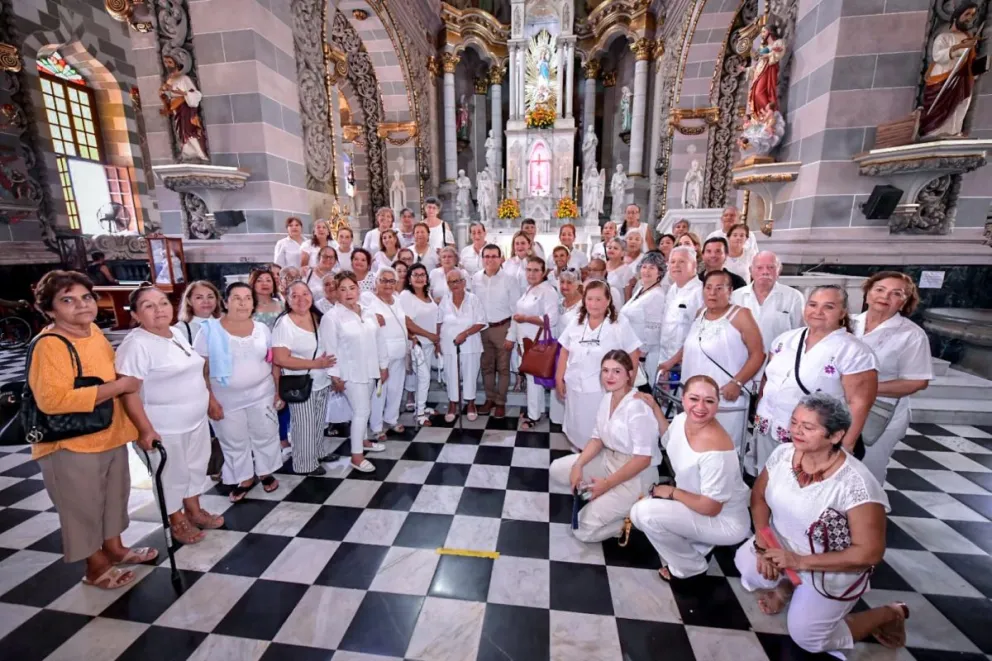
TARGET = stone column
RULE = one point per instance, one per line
(512, 87)
(479, 130)
(562, 57)
(591, 70)
(643, 50)
(569, 77)
(521, 100)
(658, 123)
(496, 89)
(449, 61)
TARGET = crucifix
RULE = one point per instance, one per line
(540, 173)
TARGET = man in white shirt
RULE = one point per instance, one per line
(405, 231)
(529, 227)
(684, 299)
(776, 307)
(731, 216)
(498, 291)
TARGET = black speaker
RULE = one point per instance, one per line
(882, 202)
(229, 219)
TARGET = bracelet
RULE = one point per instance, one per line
(760, 550)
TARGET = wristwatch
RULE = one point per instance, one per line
(739, 384)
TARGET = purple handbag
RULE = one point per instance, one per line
(540, 359)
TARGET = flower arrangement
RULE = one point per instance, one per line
(541, 117)
(567, 208)
(508, 209)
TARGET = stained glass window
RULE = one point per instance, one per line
(70, 112)
(56, 65)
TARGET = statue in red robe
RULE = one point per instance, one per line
(762, 95)
(950, 79)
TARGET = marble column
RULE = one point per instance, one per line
(591, 70)
(562, 58)
(657, 121)
(512, 85)
(521, 100)
(569, 77)
(479, 130)
(643, 50)
(449, 61)
(496, 90)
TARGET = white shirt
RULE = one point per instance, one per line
(497, 294)
(740, 265)
(537, 249)
(517, 267)
(645, 313)
(712, 344)
(428, 259)
(393, 334)
(422, 313)
(586, 348)
(323, 305)
(438, 280)
(344, 258)
(538, 301)
(354, 340)
(577, 259)
(901, 348)
(302, 344)
(367, 283)
(795, 509)
(313, 251)
(406, 240)
(173, 391)
(782, 310)
(371, 241)
(618, 279)
(189, 329)
(681, 306)
(632, 429)
(251, 379)
(598, 251)
(470, 260)
(315, 282)
(382, 259)
(455, 319)
(751, 245)
(715, 474)
(820, 369)
(566, 316)
(288, 252)
(440, 236)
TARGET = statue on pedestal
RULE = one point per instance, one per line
(626, 100)
(492, 155)
(950, 80)
(618, 189)
(462, 121)
(692, 189)
(589, 144)
(593, 192)
(486, 192)
(181, 101)
(463, 198)
(764, 125)
(397, 194)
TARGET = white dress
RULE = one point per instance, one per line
(577, 259)
(428, 258)
(315, 282)
(583, 390)
(740, 265)
(381, 259)
(645, 312)
(422, 358)
(288, 252)
(710, 345)
(903, 352)
(455, 319)
(440, 236)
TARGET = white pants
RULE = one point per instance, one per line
(185, 472)
(535, 398)
(682, 537)
(470, 365)
(815, 623)
(249, 439)
(556, 409)
(878, 454)
(603, 517)
(386, 401)
(421, 379)
(360, 397)
(731, 416)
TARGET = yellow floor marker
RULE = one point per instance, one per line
(468, 553)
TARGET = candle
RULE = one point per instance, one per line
(575, 182)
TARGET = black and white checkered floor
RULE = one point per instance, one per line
(346, 567)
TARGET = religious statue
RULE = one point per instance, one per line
(463, 199)
(589, 144)
(766, 54)
(760, 136)
(462, 121)
(626, 98)
(181, 101)
(950, 80)
(492, 155)
(540, 77)
(486, 192)
(593, 192)
(692, 188)
(397, 194)
(618, 189)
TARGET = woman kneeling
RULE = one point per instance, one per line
(618, 465)
(811, 490)
(708, 504)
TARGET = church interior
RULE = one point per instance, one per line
(174, 138)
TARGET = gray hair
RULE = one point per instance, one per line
(684, 250)
(620, 242)
(653, 258)
(778, 262)
(832, 412)
(842, 293)
(383, 270)
(570, 276)
(329, 276)
(453, 250)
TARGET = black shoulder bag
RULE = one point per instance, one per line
(296, 388)
(32, 425)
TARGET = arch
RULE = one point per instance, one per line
(602, 45)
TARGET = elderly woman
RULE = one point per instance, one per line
(421, 322)
(723, 343)
(267, 304)
(461, 318)
(321, 239)
(739, 255)
(823, 356)
(86, 477)
(296, 348)
(596, 331)
(633, 250)
(570, 289)
(289, 249)
(361, 263)
(172, 406)
(619, 463)
(423, 252)
(470, 257)
(326, 264)
(645, 310)
(608, 233)
(576, 258)
(383, 221)
(244, 402)
(448, 255)
(200, 301)
(538, 302)
(682, 302)
(388, 250)
(807, 487)
(904, 362)
(330, 294)
(385, 305)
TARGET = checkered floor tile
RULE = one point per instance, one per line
(345, 567)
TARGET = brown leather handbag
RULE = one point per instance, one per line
(540, 354)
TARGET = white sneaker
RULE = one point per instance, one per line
(365, 467)
(375, 447)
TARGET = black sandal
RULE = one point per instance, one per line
(527, 424)
(239, 492)
(267, 483)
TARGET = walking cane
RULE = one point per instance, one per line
(458, 375)
(177, 579)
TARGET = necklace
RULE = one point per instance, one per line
(805, 479)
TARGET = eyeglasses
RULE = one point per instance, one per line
(459, 281)
(593, 341)
(387, 281)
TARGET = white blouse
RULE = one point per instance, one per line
(470, 260)
(439, 283)
(354, 340)
(577, 259)
(393, 334)
(566, 316)
(315, 282)
(681, 306)
(712, 344)
(517, 268)
(740, 265)
(645, 313)
(618, 279)
(428, 259)
(901, 348)
(795, 509)
(344, 258)
(313, 251)
(632, 429)
(301, 344)
(288, 252)
(538, 301)
(454, 320)
(422, 313)
(251, 379)
(820, 370)
(715, 474)
(382, 259)
(371, 241)
(440, 236)
(586, 348)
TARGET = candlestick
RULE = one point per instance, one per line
(575, 182)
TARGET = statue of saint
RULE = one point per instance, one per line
(625, 109)
(462, 120)
(397, 194)
(762, 95)
(486, 192)
(492, 156)
(692, 188)
(463, 199)
(950, 80)
(181, 101)
(593, 192)
(618, 189)
(589, 144)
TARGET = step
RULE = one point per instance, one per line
(955, 384)
(940, 366)
(948, 411)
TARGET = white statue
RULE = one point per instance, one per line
(692, 188)
(625, 109)
(492, 156)
(397, 194)
(593, 192)
(356, 203)
(589, 143)
(486, 192)
(463, 199)
(618, 189)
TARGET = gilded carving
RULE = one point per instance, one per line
(591, 69)
(710, 116)
(610, 79)
(449, 61)
(10, 58)
(359, 14)
(433, 66)
(496, 75)
(643, 49)
(481, 84)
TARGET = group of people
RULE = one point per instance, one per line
(332, 334)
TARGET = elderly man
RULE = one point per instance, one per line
(715, 256)
(731, 216)
(684, 299)
(392, 330)
(776, 307)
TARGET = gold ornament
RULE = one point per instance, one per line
(433, 66)
(482, 85)
(496, 75)
(449, 61)
(10, 58)
(610, 79)
(659, 49)
(643, 48)
(592, 69)
(360, 14)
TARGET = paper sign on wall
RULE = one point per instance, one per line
(931, 279)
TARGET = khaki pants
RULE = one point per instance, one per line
(90, 492)
(495, 360)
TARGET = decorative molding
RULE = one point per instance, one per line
(592, 68)
(386, 129)
(659, 49)
(710, 116)
(481, 84)
(309, 35)
(359, 14)
(434, 66)
(449, 61)
(780, 178)
(146, 157)
(10, 58)
(471, 25)
(610, 79)
(337, 64)
(135, 13)
(632, 18)
(643, 49)
(496, 74)
(354, 133)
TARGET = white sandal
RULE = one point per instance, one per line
(365, 467)
(375, 447)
